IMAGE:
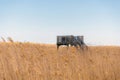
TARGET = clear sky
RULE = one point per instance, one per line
(41, 20)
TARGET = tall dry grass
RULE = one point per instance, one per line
(27, 61)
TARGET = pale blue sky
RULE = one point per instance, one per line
(41, 20)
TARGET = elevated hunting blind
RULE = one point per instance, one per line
(70, 40)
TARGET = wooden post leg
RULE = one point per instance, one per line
(57, 47)
(67, 47)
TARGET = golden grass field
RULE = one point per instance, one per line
(30, 61)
